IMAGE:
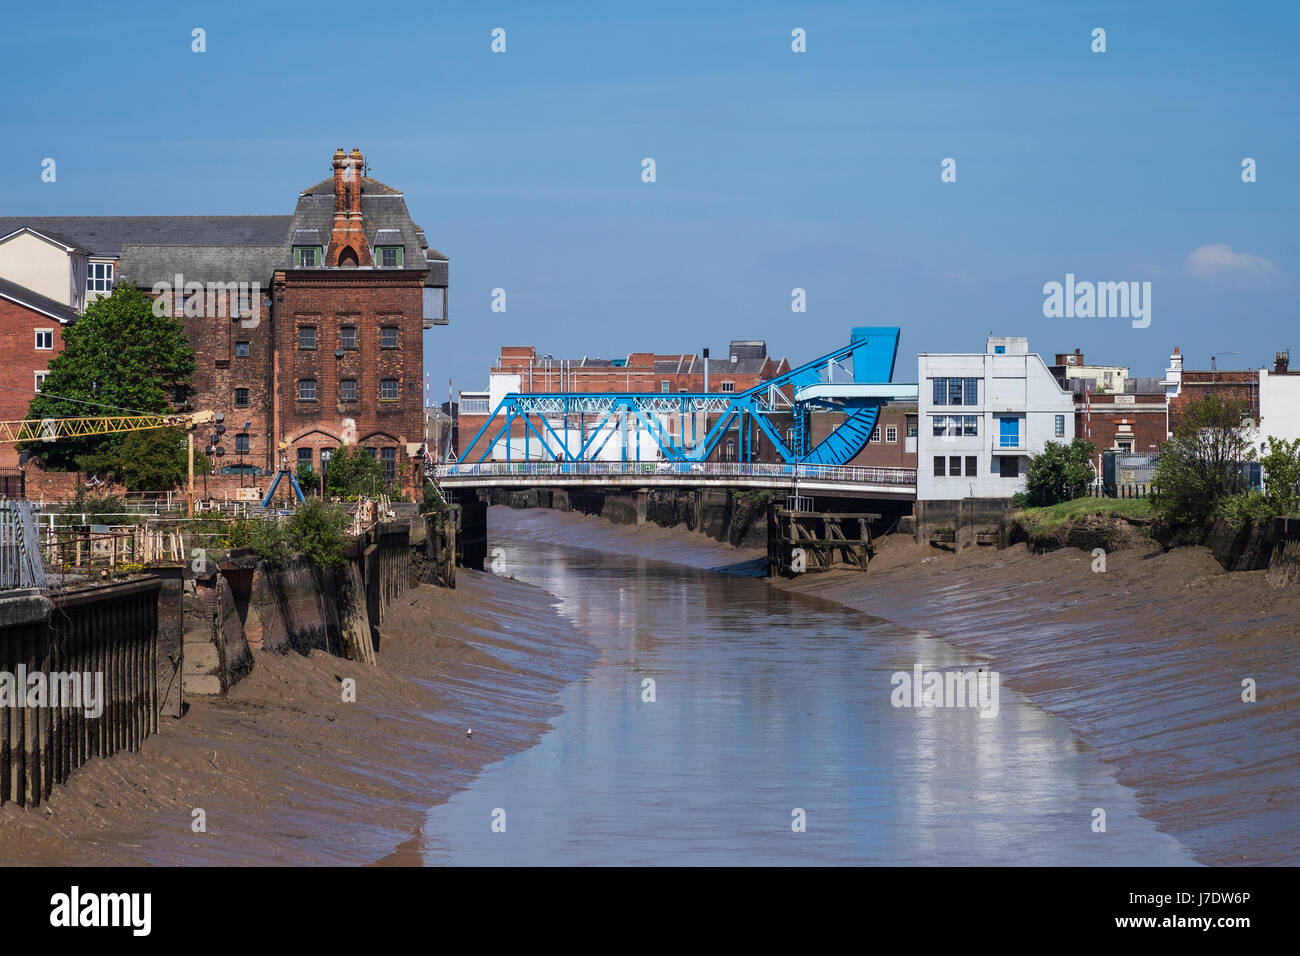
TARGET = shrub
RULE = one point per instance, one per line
(98, 509)
(1060, 472)
(1200, 465)
(433, 501)
(352, 472)
(1252, 506)
(1281, 475)
(265, 537)
(317, 531)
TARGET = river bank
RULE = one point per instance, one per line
(287, 773)
(1145, 661)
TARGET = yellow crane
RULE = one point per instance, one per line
(52, 429)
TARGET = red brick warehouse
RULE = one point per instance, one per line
(308, 328)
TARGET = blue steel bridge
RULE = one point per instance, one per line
(637, 439)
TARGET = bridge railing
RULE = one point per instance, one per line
(685, 469)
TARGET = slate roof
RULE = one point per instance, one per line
(383, 211)
(148, 264)
(236, 248)
(106, 235)
(749, 348)
(742, 366)
(34, 300)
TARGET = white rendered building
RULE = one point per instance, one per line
(982, 415)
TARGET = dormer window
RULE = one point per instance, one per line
(99, 277)
(390, 257)
(306, 257)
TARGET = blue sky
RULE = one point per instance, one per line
(775, 170)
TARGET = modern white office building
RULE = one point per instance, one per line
(982, 415)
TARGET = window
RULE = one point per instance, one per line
(99, 277)
(241, 398)
(875, 434)
(40, 379)
(728, 386)
(45, 339)
(307, 337)
(388, 337)
(388, 458)
(955, 391)
(348, 337)
(955, 425)
(891, 434)
(911, 426)
(954, 466)
(306, 390)
(938, 466)
(1009, 467)
(390, 257)
(241, 444)
(1060, 426)
(304, 257)
(665, 385)
(388, 390)
(241, 350)
(348, 390)
(1002, 350)
(970, 466)
(304, 459)
(372, 453)
(1126, 446)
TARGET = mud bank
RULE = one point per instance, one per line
(1145, 661)
(286, 772)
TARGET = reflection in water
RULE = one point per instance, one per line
(766, 702)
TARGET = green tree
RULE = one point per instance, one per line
(154, 459)
(1201, 464)
(317, 531)
(353, 472)
(1060, 472)
(1282, 475)
(118, 358)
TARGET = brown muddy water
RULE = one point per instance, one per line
(769, 734)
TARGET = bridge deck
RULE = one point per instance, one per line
(899, 483)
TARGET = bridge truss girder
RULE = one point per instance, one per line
(541, 413)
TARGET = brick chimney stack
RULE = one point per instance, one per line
(348, 247)
(1281, 362)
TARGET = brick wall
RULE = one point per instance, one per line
(367, 302)
(1237, 386)
(1142, 422)
(225, 378)
(22, 360)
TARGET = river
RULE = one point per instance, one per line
(771, 739)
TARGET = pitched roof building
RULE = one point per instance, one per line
(308, 327)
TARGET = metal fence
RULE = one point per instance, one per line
(701, 469)
(20, 556)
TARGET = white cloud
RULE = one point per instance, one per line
(1206, 262)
